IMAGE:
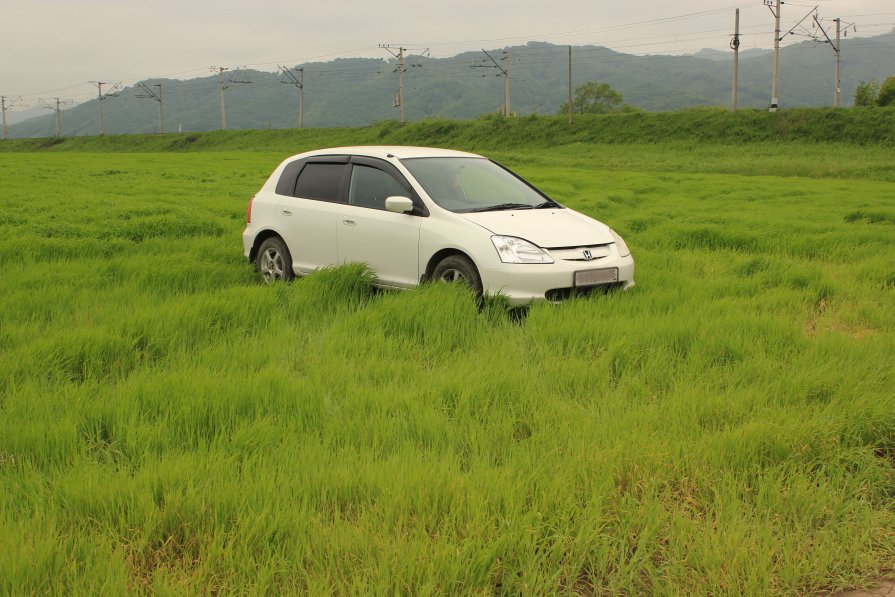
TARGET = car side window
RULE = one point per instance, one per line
(320, 181)
(370, 187)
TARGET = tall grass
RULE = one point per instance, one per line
(169, 425)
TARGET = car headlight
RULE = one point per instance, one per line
(623, 249)
(517, 250)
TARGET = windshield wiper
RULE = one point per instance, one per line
(547, 204)
(502, 206)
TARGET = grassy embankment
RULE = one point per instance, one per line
(820, 143)
(728, 426)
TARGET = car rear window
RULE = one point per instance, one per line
(320, 181)
(286, 184)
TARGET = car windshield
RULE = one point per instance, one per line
(474, 184)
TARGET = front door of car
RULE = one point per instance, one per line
(386, 241)
(309, 219)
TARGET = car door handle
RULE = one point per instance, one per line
(349, 222)
(286, 212)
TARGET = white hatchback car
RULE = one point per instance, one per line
(414, 214)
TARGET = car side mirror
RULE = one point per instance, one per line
(399, 205)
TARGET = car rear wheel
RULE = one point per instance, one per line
(273, 261)
(458, 268)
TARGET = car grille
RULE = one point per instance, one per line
(578, 253)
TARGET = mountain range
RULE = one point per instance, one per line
(360, 91)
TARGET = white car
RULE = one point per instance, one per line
(415, 214)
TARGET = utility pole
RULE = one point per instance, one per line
(58, 111)
(838, 63)
(735, 45)
(837, 48)
(220, 70)
(7, 104)
(506, 71)
(5, 128)
(101, 97)
(300, 83)
(149, 93)
(570, 85)
(102, 128)
(222, 85)
(776, 13)
(777, 39)
(58, 119)
(400, 69)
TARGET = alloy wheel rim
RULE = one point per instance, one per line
(271, 265)
(452, 275)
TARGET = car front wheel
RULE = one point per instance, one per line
(458, 268)
(273, 261)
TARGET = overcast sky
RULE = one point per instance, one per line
(53, 48)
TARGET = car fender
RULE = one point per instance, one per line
(440, 234)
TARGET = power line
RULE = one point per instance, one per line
(596, 30)
(613, 28)
(342, 53)
(307, 58)
(605, 55)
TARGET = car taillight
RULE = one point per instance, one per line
(249, 211)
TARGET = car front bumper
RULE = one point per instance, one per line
(524, 283)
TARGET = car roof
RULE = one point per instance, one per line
(390, 151)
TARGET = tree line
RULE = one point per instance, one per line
(870, 93)
(600, 98)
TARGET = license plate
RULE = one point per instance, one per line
(594, 277)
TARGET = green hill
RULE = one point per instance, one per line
(360, 91)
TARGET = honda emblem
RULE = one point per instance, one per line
(588, 255)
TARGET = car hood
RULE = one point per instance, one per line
(548, 228)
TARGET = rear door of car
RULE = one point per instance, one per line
(388, 242)
(309, 216)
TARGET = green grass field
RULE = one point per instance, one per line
(168, 425)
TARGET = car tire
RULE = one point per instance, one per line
(273, 261)
(458, 268)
